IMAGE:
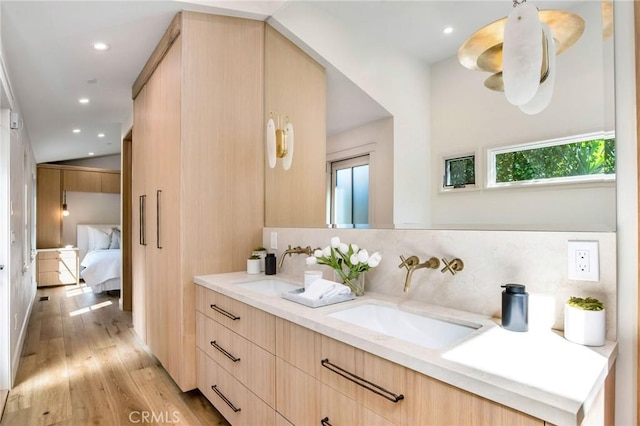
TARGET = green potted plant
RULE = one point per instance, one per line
(253, 264)
(261, 252)
(584, 321)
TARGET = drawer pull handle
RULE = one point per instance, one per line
(379, 390)
(325, 422)
(224, 398)
(225, 313)
(224, 352)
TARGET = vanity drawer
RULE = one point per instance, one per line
(255, 325)
(234, 401)
(247, 362)
(338, 410)
(298, 346)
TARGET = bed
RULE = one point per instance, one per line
(101, 258)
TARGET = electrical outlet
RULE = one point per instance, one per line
(583, 261)
(274, 240)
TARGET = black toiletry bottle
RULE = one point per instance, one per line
(515, 307)
(270, 264)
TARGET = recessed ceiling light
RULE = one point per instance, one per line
(447, 30)
(92, 153)
(101, 46)
(83, 100)
(101, 135)
(76, 130)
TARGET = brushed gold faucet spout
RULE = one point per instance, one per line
(412, 263)
(296, 250)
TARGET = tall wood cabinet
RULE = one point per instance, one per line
(197, 174)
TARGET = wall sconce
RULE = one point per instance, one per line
(65, 210)
(520, 52)
(279, 141)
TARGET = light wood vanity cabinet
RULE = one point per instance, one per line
(57, 266)
(236, 373)
(307, 394)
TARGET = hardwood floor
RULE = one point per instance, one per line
(83, 365)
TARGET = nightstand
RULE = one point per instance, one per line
(57, 266)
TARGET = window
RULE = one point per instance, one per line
(350, 193)
(459, 172)
(583, 158)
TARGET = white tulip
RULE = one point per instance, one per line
(354, 259)
(355, 248)
(318, 253)
(363, 256)
(374, 260)
(311, 260)
(335, 242)
(327, 251)
(343, 248)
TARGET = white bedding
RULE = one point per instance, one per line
(102, 269)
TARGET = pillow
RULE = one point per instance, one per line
(115, 239)
(99, 239)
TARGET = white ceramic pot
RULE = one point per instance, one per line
(263, 255)
(584, 327)
(253, 266)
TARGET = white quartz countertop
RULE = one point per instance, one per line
(538, 372)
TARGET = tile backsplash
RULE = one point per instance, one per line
(491, 259)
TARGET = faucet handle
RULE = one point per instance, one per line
(455, 266)
(408, 263)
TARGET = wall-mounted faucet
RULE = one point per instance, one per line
(455, 266)
(296, 250)
(412, 263)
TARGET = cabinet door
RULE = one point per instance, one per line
(139, 215)
(110, 182)
(296, 395)
(49, 212)
(81, 181)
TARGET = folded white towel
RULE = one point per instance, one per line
(322, 289)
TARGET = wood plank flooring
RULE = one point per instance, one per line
(83, 365)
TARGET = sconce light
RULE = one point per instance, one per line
(279, 141)
(520, 52)
(65, 210)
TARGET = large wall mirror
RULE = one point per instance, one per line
(397, 96)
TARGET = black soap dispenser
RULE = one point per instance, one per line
(515, 307)
(270, 264)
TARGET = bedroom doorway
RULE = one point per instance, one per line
(127, 281)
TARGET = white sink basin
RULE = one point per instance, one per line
(421, 330)
(268, 287)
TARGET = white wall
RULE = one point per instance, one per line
(111, 162)
(376, 139)
(468, 118)
(91, 208)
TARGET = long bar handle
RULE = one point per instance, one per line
(142, 200)
(158, 245)
(224, 352)
(379, 390)
(225, 399)
(325, 422)
(225, 313)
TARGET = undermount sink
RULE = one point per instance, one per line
(421, 330)
(268, 287)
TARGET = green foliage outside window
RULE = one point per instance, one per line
(460, 171)
(592, 157)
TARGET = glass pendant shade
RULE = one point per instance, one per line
(271, 143)
(522, 54)
(543, 96)
(288, 157)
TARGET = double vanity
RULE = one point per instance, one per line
(262, 359)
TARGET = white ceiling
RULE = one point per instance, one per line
(47, 51)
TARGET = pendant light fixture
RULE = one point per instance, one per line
(65, 210)
(519, 50)
(280, 140)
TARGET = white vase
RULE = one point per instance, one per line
(253, 266)
(584, 327)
